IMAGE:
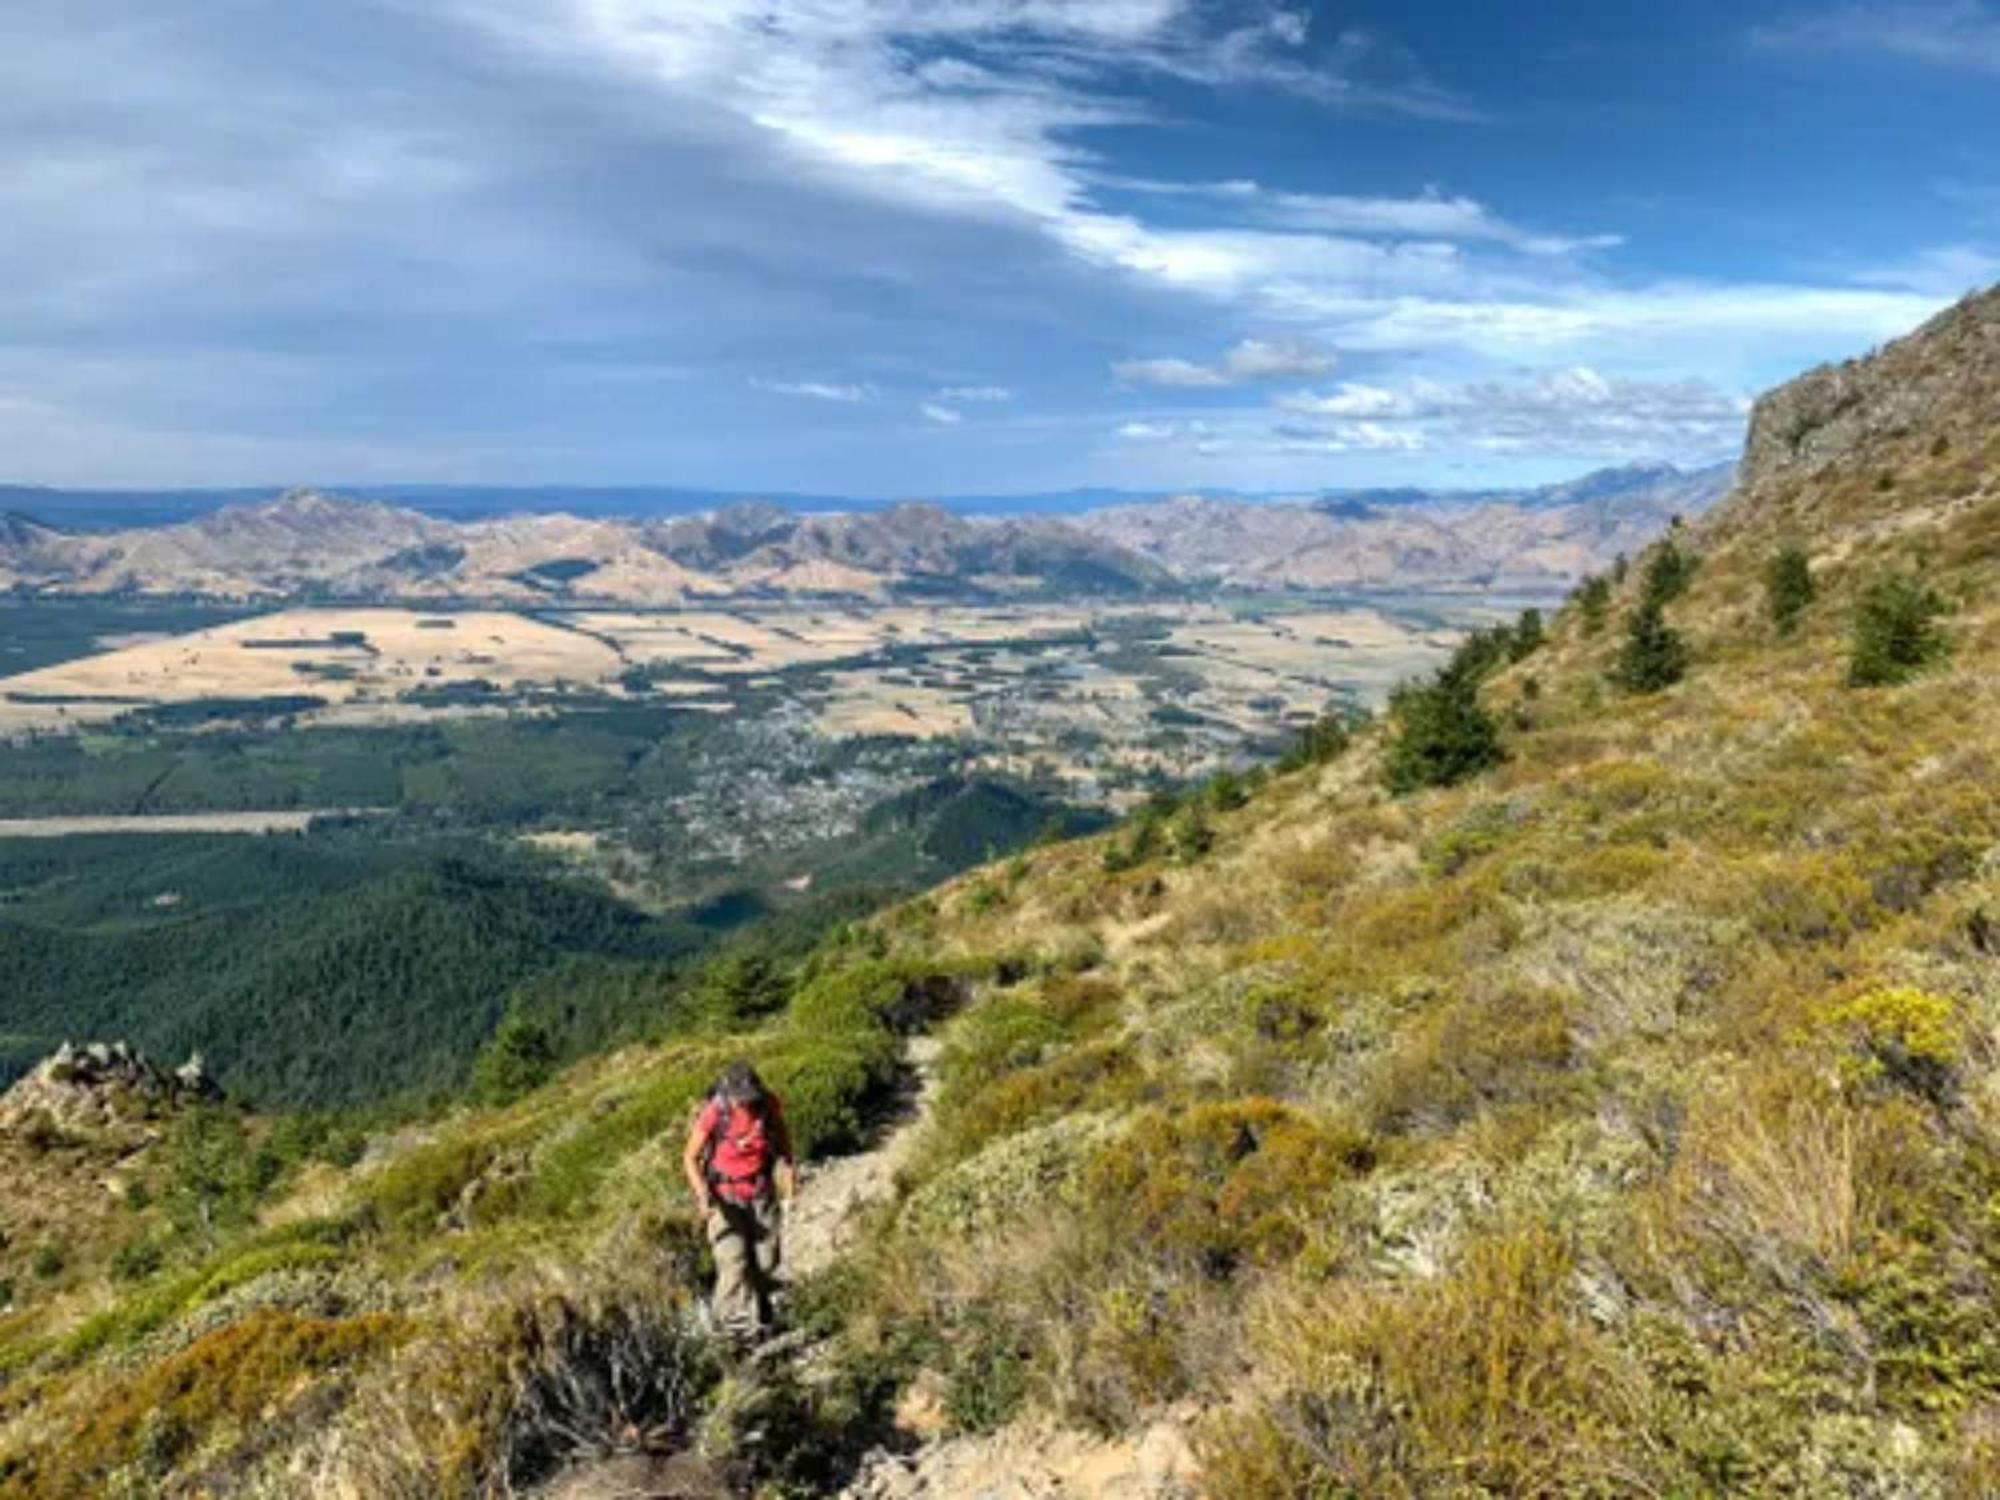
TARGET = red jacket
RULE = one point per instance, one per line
(744, 1147)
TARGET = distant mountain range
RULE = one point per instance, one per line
(1383, 538)
(306, 544)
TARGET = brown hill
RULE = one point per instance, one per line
(1414, 539)
(306, 543)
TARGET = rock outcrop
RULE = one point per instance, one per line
(84, 1091)
(1946, 372)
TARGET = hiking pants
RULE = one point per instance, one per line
(745, 1240)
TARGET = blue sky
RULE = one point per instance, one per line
(900, 247)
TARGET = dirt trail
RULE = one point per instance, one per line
(1037, 1461)
(823, 1220)
(1028, 1461)
(821, 1224)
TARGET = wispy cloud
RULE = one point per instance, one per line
(1430, 215)
(1250, 360)
(1573, 410)
(1944, 271)
(976, 393)
(1959, 34)
(944, 416)
(817, 390)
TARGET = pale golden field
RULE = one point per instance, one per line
(1013, 674)
(398, 650)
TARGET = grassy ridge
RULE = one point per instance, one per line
(1619, 1119)
(1612, 1111)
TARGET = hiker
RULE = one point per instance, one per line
(739, 1165)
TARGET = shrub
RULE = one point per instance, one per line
(520, 1057)
(1668, 573)
(737, 987)
(1219, 1185)
(215, 1177)
(1654, 656)
(1191, 834)
(1326, 739)
(1225, 791)
(1442, 735)
(596, 1379)
(827, 1082)
(990, 1365)
(1528, 635)
(1141, 843)
(1466, 1056)
(231, 1382)
(1788, 588)
(135, 1260)
(1902, 1036)
(49, 1261)
(1593, 601)
(1896, 632)
(1481, 1382)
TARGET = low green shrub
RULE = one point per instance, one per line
(1218, 1186)
(1896, 632)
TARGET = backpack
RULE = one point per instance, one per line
(752, 1137)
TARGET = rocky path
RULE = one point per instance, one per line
(1035, 1461)
(834, 1197)
(821, 1223)
(1028, 1461)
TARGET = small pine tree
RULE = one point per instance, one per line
(1480, 654)
(1654, 655)
(1593, 599)
(520, 1057)
(1788, 588)
(1325, 739)
(1141, 843)
(738, 985)
(1528, 635)
(1191, 834)
(1668, 572)
(1442, 734)
(1225, 791)
(1620, 565)
(1896, 632)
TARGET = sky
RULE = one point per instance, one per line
(910, 247)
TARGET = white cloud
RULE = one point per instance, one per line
(1182, 374)
(1945, 271)
(944, 416)
(1575, 409)
(1250, 360)
(1367, 437)
(1963, 34)
(817, 390)
(1350, 400)
(991, 129)
(976, 393)
(1166, 432)
(1259, 359)
(1430, 215)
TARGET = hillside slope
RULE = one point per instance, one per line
(1413, 538)
(1621, 1118)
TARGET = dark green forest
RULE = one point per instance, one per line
(369, 962)
(309, 971)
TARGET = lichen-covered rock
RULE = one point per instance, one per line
(1950, 364)
(104, 1085)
